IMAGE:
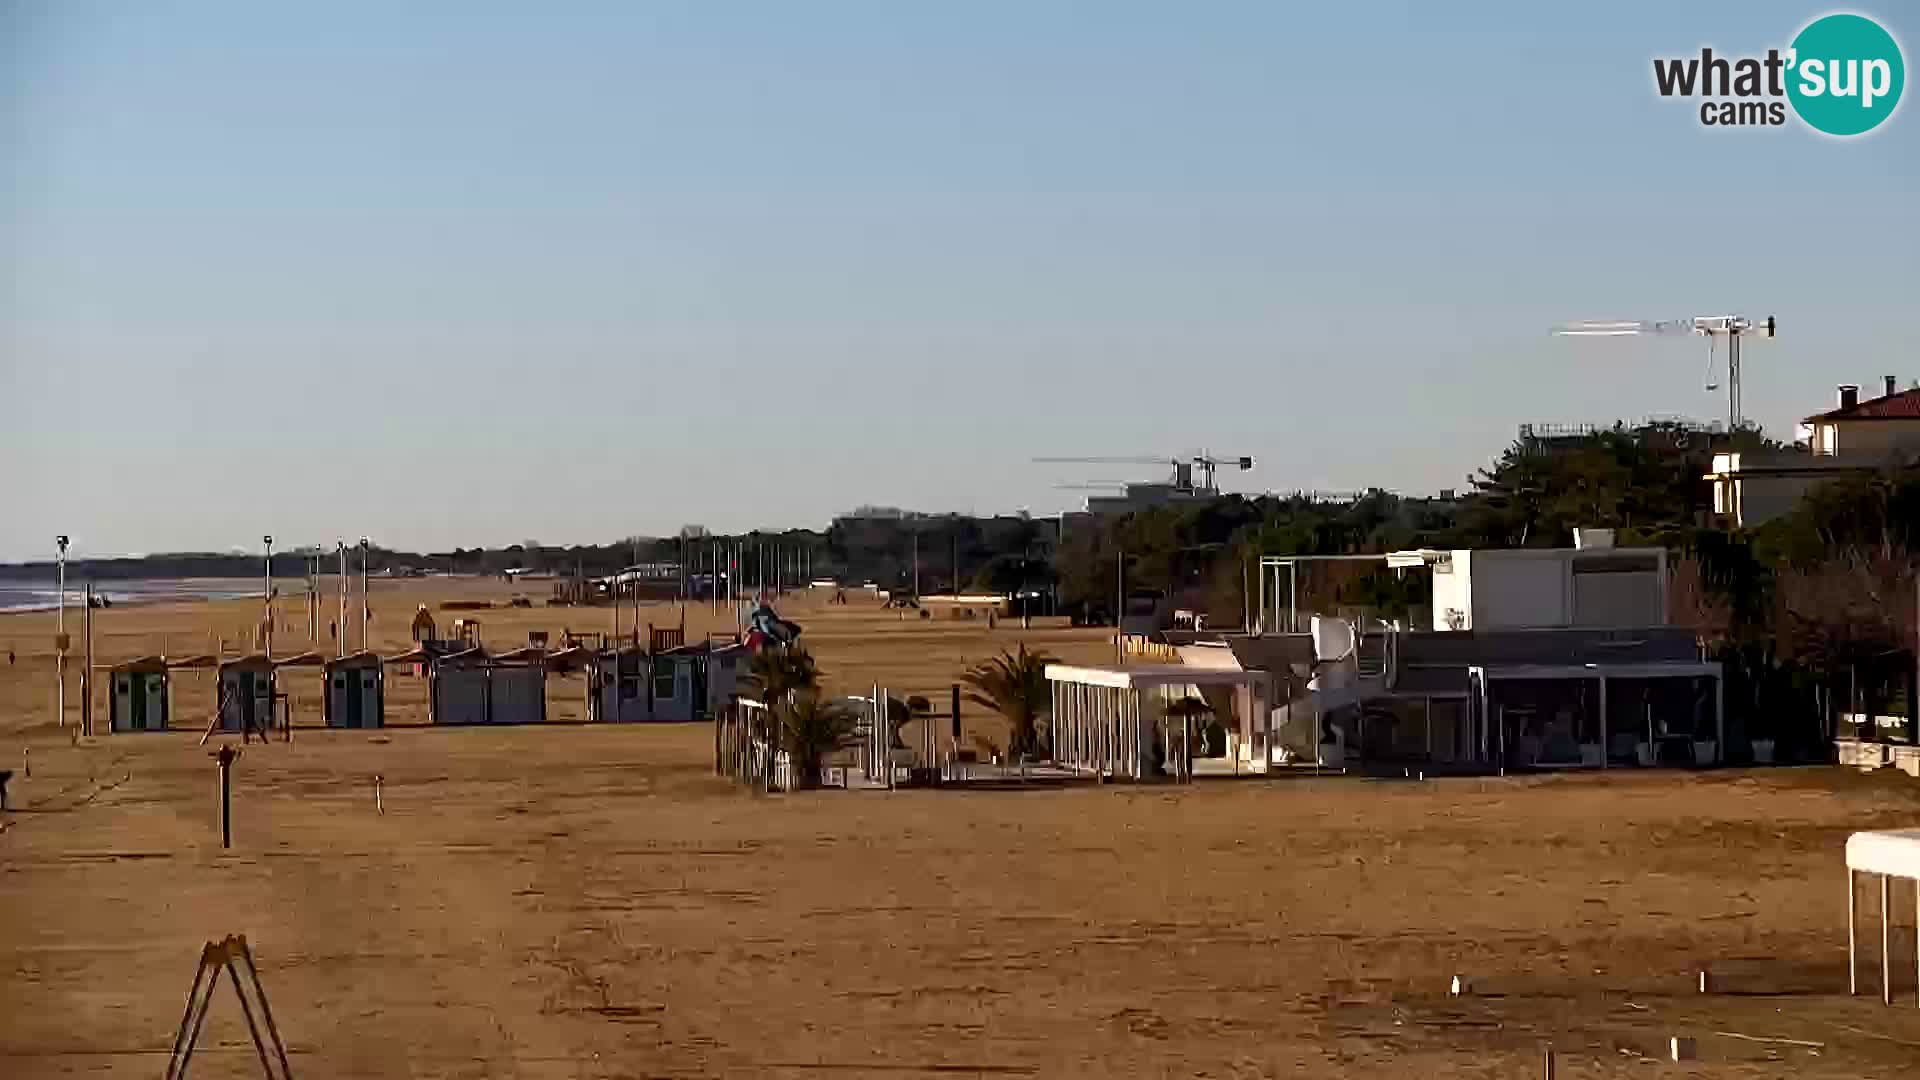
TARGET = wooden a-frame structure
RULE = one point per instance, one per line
(236, 959)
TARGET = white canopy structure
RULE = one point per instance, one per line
(1107, 720)
(1889, 853)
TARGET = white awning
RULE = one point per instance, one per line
(1889, 851)
(1150, 675)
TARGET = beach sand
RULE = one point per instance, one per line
(578, 901)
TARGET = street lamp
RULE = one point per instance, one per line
(366, 546)
(266, 581)
(340, 627)
(60, 630)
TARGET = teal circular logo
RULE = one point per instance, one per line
(1845, 74)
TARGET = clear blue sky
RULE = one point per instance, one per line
(461, 273)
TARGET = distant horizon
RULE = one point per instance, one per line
(78, 553)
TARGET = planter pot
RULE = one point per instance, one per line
(1705, 751)
(1333, 755)
(1591, 755)
(1763, 751)
(1643, 753)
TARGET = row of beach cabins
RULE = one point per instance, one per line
(667, 680)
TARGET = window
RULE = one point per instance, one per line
(663, 682)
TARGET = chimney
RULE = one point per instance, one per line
(1849, 395)
(1893, 385)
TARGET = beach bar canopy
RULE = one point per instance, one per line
(1892, 853)
(1107, 720)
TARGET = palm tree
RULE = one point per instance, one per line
(775, 677)
(810, 729)
(1014, 684)
(777, 674)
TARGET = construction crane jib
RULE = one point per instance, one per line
(1734, 328)
(1183, 467)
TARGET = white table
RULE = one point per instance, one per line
(1889, 853)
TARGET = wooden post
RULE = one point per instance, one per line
(86, 673)
(223, 759)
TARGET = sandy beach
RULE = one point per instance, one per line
(579, 901)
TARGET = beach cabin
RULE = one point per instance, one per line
(247, 694)
(353, 693)
(517, 693)
(472, 688)
(617, 685)
(691, 682)
(457, 690)
(140, 699)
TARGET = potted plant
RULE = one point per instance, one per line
(1705, 752)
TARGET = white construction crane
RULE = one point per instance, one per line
(1711, 327)
(1183, 467)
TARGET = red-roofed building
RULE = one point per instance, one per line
(1753, 488)
(1889, 424)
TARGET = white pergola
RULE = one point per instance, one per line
(1103, 720)
(1271, 594)
(1890, 853)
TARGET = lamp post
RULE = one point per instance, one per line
(266, 595)
(60, 633)
(340, 627)
(366, 546)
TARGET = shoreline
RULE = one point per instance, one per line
(183, 590)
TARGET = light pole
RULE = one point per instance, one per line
(366, 546)
(266, 595)
(340, 627)
(60, 632)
